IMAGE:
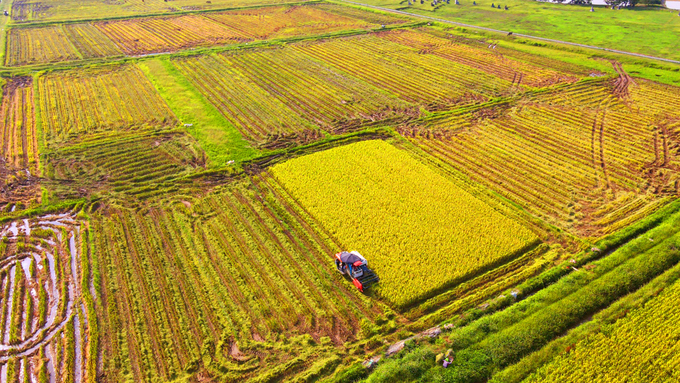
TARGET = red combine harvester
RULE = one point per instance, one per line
(355, 266)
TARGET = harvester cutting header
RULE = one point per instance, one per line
(355, 266)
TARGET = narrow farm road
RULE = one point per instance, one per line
(4, 20)
(506, 32)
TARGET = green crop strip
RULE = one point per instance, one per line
(192, 266)
(632, 29)
(221, 141)
(495, 341)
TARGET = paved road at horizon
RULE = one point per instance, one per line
(514, 34)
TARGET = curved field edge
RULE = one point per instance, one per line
(324, 362)
(482, 347)
(375, 335)
(353, 191)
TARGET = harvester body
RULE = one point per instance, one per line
(355, 266)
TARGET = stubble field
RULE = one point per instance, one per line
(175, 179)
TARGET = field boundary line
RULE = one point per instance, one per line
(123, 59)
(506, 32)
(46, 23)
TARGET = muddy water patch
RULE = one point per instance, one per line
(9, 304)
(56, 269)
(78, 351)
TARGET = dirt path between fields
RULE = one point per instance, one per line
(514, 34)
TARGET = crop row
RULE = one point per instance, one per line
(222, 276)
(282, 90)
(18, 138)
(38, 45)
(577, 157)
(255, 112)
(51, 44)
(641, 347)
(289, 21)
(335, 84)
(169, 34)
(77, 102)
(484, 57)
(137, 37)
(64, 10)
(90, 41)
(44, 327)
(419, 231)
(128, 163)
(657, 101)
(417, 78)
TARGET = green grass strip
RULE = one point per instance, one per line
(493, 342)
(221, 141)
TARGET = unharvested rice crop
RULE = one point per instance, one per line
(642, 347)
(76, 102)
(419, 231)
(577, 157)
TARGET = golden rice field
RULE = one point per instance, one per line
(578, 157)
(640, 347)
(176, 177)
(420, 231)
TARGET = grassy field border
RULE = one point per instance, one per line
(207, 124)
(116, 60)
(30, 24)
(420, 359)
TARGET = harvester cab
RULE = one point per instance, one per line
(355, 266)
